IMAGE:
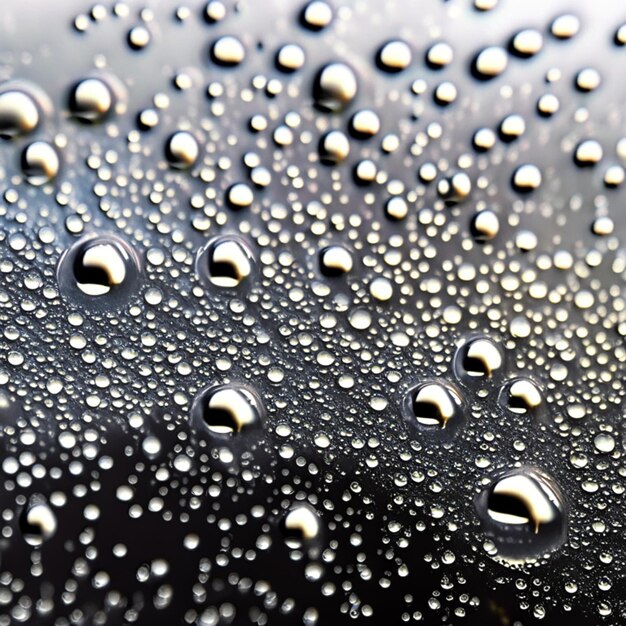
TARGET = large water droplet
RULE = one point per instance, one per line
(181, 149)
(335, 261)
(478, 358)
(40, 162)
(490, 62)
(228, 51)
(301, 525)
(225, 410)
(435, 407)
(99, 266)
(19, 114)
(91, 100)
(524, 513)
(335, 87)
(316, 15)
(225, 262)
(394, 56)
(37, 521)
(523, 396)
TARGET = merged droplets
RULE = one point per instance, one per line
(524, 514)
(227, 410)
(40, 162)
(91, 100)
(225, 262)
(435, 407)
(335, 87)
(99, 269)
(455, 188)
(19, 114)
(38, 522)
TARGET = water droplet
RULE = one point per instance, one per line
(394, 56)
(524, 513)
(228, 51)
(548, 105)
(40, 162)
(435, 407)
(181, 150)
(225, 262)
(37, 521)
(316, 15)
(526, 178)
(588, 153)
(484, 139)
(225, 410)
(445, 93)
(512, 127)
(91, 100)
(527, 43)
(19, 114)
(98, 266)
(215, 11)
(565, 26)
(138, 37)
(490, 62)
(439, 55)
(239, 196)
(334, 147)
(335, 87)
(604, 443)
(588, 79)
(485, 225)
(523, 397)
(396, 208)
(290, 58)
(335, 261)
(301, 525)
(381, 289)
(477, 358)
(364, 124)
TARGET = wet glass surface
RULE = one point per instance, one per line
(312, 313)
